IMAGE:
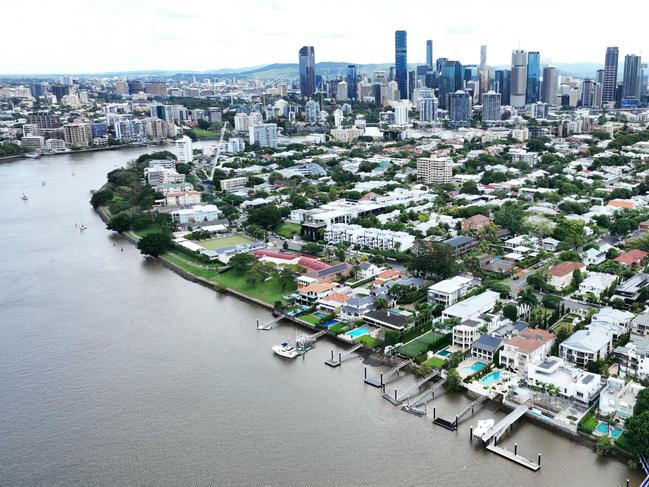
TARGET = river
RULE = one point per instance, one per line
(116, 371)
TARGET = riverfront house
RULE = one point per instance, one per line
(571, 382)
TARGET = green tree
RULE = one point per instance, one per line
(267, 217)
(510, 312)
(242, 262)
(432, 259)
(641, 402)
(120, 223)
(510, 216)
(312, 248)
(155, 243)
(453, 380)
(101, 198)
(637, 433)
(551, 301)
(570, 232)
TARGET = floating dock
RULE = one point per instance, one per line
(342, 356)
(500, 428)
(514, 457)
(385, 377)
(398, 399)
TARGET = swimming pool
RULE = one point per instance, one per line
(616, 432)
(491, 378)
(357, 332)
(443, 353)
(477, 367)
(602, 428)
(319, 314)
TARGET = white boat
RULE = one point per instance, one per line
(484, 426)
(33, 155)
(303, 344)
(286, 350)
(24, 197)
(82, 227)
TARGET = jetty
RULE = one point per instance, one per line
(342, 356)
(269, 325)
(513, 456)
(414, 406)
(385, 377)
(453, 424)
(645, 467)
(399, 399)
(500, 428)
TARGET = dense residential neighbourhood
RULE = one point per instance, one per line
(504, 243)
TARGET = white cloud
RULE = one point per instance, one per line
(97, 35)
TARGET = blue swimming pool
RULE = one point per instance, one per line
(616, 432)
(331, 323)
(602, 428)
(491, 378)
(358, 332)
(443, 353)
(319, 314)
(477, 367)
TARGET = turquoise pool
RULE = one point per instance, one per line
(319, 314)
(602, 428)
(358, 332)
(477, 367)
(491, 378)
(443, 353)
(616, 432)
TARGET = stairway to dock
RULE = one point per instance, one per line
(454, 423)
(385, 377)
(501, 427)
(398, 399)
(414, 406)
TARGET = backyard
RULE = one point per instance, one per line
(220, 242)
(420, 344)
(287, 230)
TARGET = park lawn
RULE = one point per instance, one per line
(311, 319)
(219, 243)
(193, 268)
(204, 134)
(369, 341)
(435, 362)
(153, 228)
(268, 291)
(287, 230)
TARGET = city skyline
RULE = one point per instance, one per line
(143, 35)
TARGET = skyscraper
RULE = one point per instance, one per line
(503, 78)
(452, 80)
(533, 77)
(352, 81)
(550, 83)
(483, 72)
(631, 86)
(483, 57)
(460, 108)
(518, 83)
(587, 93)
(428, 109)
(429, 53)
(307, 71)
(610, 74)
(491, 106)
(401, 62)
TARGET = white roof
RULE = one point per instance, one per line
(448, 286)
(474, 305)
(587, 340)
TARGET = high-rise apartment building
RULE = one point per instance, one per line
(460, 108)
(401, 62)
(429, 53)
(550, 85)
(307, 71)
(184, 149)
(77, 135)
(428, 109)
(435, 170)
(533, 77)
(518, 83)
(491, 106)
(610, 74)
(264, 135)
(587, 93)
(155, 88)
(452, 79)
(632, 82)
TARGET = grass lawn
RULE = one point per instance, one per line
(219, 243)
(563, 325)
(311, 319)
(623, 443)
(153, 228)
(338, 327)
(287, 230)
(420, 344)
(588, 423)
(268, 291)
(193, 267)
(368, 340)
(435, 362)
(202, 133)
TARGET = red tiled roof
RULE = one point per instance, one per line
(631, 257)
(564, 268)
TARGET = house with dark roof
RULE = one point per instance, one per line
(485, 347)
(461, 244)
(385, 318)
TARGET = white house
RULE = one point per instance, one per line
(585, 346)
(596, 283)
(618, 397)
(449, 291)
(616, 316)
(561, 274)
(472, 307)
(197, 213)
(367, 270)
(594, 257)
(573, 383)
(466, 333)
(529, 345)
(633, 358)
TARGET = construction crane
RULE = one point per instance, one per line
(218, 150)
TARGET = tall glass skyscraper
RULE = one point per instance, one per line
(503, 77)
(401, 62)
(518, 81)
(610, 74)
(352, 82)
(307, 71)
(429, 53)
(451, 81)
(533, 77)
(631, 87)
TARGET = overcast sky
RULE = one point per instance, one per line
(82, 36)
